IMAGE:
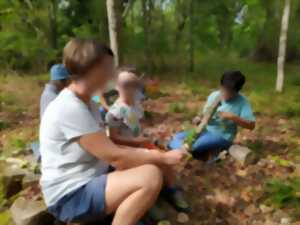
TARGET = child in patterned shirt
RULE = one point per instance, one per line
(124, 122)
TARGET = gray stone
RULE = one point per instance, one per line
(182, 218)
(30, 212)
(30, 179)
(11, 179)
(242, 154)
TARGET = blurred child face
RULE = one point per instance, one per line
(129, 88)
(227, 94)
(101, 74)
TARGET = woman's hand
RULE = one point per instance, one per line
(174, 157)
(142, 140)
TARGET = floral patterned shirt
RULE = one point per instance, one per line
(126, 118)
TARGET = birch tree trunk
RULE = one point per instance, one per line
(114, 27)
(146, 9)
(282, 46)
(53, 23)
(191, 37)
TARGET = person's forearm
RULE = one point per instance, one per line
(244, 123)
(103, 148)
(125, 141)
(132, 157)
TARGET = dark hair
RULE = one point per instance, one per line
(233, 80)
(81, 54)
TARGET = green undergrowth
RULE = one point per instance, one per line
(284, 193)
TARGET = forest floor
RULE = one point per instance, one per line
(264, 193)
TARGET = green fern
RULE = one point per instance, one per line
(284, 193)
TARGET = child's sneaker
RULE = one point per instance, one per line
(176, 199)
(156, 213)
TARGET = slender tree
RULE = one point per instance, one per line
(181, 17)
(191, 36)
(53, 23)
(146, 9)
(282, 46)
(114, 25)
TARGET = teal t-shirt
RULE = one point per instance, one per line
(239, 105)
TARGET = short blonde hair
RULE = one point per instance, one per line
(80, 55)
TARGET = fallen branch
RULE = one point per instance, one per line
(205, 120)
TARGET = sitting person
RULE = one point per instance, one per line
(125, 115)
(59, 79)
(108, 97)
(76, 152)
(233, 111)
(125, 128)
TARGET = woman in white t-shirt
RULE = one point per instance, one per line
(76, 151)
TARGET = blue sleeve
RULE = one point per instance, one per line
(96, 99)
(210, 100)
(246, 112)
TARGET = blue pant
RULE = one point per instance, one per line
(207, 141)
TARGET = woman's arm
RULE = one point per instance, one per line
(238, 120)
(103, 148)
(120, 140)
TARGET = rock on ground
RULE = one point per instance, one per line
(30, 212)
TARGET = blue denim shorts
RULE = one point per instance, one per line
(84, 204)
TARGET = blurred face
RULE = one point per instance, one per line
(227, 94)
(128, 88)
(61, 84)
(101, 74)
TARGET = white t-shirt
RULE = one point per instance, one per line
(66, 166)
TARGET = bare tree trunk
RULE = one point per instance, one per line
(191, 37)
(181, 15)
(114, 25)
(282, 46)
(146, 7)
(53, 23)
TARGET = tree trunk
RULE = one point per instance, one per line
(181, 15)
(266, 46)
(282, 46)
(114, 26)
(191, 37)
(53, 23)
(146, 26)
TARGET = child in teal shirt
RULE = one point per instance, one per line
(234, 111)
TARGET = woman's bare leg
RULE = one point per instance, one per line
(169, 175)
(130, 193)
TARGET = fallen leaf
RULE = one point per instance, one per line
(182, 218)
